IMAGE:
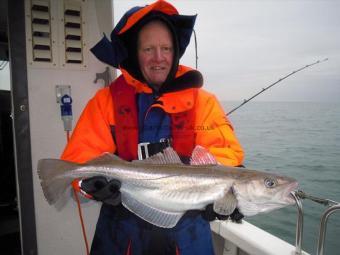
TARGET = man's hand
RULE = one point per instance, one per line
(210, 215)
(236, 216)
(102, 190)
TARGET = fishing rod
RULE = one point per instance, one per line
(196, 57)
(271, 85)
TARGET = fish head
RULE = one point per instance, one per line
(264, 193)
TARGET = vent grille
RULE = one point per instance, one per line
(56, 33)
(41, 31)
(73, 32)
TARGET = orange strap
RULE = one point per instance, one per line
(82, 222)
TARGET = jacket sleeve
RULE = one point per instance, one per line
(92, 134)
(215, 132)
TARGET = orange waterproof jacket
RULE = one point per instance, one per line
(92, 135)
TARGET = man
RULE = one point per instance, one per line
(154, 104)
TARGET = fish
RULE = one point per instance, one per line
(160, 189)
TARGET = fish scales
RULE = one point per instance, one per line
(161, 189)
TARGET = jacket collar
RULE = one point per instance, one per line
(179, 96)
(185, 78)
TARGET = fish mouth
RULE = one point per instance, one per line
(289, 198)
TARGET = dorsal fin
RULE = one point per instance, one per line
(168, 156)
(201, 156)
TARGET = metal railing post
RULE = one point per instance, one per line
(299, 225)
(323, 226)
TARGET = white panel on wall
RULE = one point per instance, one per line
(74, 51)
(40, 34)
(41, 31)
(56, 33)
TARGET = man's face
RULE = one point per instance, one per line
(155, 52)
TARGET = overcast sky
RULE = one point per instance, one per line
(244, 46)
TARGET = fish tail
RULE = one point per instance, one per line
(54, 181)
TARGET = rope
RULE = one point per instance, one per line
(82, 222)
(79, 210)
(68, 136)
(323, 201)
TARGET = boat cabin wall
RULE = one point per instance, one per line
(49, 63)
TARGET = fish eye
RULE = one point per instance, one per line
(270, 183)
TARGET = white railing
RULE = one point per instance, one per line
(250, 239)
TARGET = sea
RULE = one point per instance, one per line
(301, 140)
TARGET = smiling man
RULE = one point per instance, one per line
(155, 53)
(154, 104)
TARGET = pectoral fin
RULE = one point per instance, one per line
(201, 156)
(150, 214)
(226, 205)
